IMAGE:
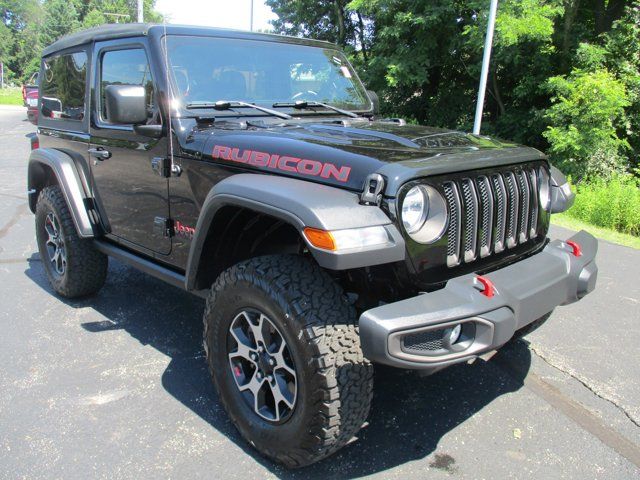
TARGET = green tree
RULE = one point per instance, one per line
(61, 18)
(587, 106)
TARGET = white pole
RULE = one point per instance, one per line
(251, 15)
(486, 59)
(140, 11)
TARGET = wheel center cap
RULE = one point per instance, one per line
(264, 363)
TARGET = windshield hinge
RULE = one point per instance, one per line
(372, 190)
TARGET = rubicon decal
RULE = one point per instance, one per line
(285, 163)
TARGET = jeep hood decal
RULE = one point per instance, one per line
(343, 153)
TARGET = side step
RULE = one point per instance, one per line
(147, 266)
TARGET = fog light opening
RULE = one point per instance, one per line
(453, 335)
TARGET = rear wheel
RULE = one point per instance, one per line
(73, 266)
(284, 353)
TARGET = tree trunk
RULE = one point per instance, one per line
(361, 35)
(496, 94)
(570, 11)
(337, 5)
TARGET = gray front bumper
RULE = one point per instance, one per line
(524, 292)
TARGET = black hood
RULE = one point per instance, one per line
(343, 152)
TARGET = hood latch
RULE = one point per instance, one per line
(372, 190)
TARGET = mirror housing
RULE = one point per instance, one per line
(562, 197)
(126, 104)
(375, 100)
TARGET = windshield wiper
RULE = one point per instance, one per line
(302, 104)
(229, 105)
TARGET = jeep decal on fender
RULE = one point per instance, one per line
(285, 163)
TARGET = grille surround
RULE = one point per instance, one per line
(489, 212)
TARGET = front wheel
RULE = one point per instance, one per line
(284, 353)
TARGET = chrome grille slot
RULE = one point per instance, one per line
(535, 202)
(453, 232)
(490, 213)
(501, 212)
(513, 201)
(470, 207)
(486, 215)
(525, 198)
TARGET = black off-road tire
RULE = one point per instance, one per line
(526, 330)
(86, 267)
(335, 381)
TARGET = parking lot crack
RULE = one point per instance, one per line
(566, 371)
(20, 211)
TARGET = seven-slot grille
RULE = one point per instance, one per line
(491, 212)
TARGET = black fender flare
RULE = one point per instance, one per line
(69, 180)
(301, 204)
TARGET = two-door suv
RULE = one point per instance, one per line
(253, 170)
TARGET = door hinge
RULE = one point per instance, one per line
(161, 166)
(163, 226)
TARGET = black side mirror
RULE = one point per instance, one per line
(375, 100)
(126, 104)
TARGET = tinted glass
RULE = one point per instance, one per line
(63, 86)
(125, 67)
(208, 69)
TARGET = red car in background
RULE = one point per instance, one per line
(30, 86)
(31, 101)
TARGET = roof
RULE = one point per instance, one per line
(124, 30)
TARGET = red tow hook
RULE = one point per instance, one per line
(488, 289)
(575, 247)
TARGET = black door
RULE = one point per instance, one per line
(133, 196)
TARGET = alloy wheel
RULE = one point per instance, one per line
(55, 244)
(262, 366)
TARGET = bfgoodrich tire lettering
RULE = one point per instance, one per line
(85, 268)
(334, 380)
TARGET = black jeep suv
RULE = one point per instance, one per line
(253, 170)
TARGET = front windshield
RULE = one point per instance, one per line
(209, 69)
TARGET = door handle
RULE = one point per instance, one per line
(100, 153)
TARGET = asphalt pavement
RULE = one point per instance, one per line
(115, 386)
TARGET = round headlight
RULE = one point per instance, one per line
(544, 189)
(414, 209)
(424, 214)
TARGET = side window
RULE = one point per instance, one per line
(63, 85)
(125, 67)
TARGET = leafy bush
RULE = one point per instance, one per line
(587, 108)
(612, 203)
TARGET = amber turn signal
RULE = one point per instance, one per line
(320, 238)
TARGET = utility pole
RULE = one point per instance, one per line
(486, 60)
(1, 75)
(140, 11)
(251, 16)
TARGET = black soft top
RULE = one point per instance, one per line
(124, 30)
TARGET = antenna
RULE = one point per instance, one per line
(168, 92)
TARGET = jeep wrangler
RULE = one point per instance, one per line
(253, 170)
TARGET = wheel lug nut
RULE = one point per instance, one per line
(270, 378)
(272, 362)
(259, 375)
